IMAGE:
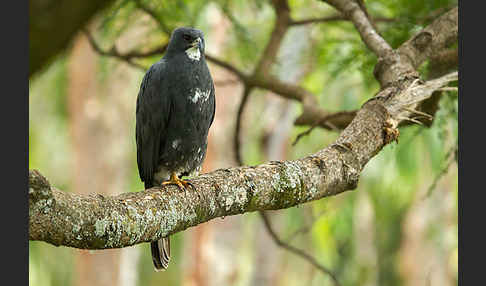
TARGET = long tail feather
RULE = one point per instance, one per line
(161, 253)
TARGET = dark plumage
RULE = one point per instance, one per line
(175, 108)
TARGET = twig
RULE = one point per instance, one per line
(423, 114)
(281, 26)
(262, 68)
(237, 144)
(113, 52)
(299, 252)
(448, 88)
(305, 228)
(410, 119)
(227, 66)
(154, 16)
(332, 18)
(335, 18)
(450, 158)
(341, 17)
(317, 123)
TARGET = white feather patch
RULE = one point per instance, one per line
(176, 143)
(200, 95)
(193, 53)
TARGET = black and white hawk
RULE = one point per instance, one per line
(175, 108)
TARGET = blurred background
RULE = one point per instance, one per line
(399, 227)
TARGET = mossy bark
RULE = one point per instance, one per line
(98, 222)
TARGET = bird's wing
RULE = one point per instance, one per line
(152, 115)
(213, 98)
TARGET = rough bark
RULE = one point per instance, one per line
(98, 222)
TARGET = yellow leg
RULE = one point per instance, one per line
(174, 180)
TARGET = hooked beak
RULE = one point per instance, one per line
(197, 43)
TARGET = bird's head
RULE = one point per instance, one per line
(187, 40)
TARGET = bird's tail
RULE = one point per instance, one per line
(161, 253)
(161, 248)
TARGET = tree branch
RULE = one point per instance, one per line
(443, 61)
(99, 222)
(404, 61)
(229, 67)
(282, 22)
(335, 18)
(332, 18)
(434, 38)
(236, 141)
(113, 52)
(330, 121)
(353, 11)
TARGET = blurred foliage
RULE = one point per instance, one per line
(341, 76)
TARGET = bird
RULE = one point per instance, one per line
(174, 110)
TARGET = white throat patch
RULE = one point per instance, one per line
(193, 53)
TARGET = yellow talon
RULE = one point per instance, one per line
(174, 180)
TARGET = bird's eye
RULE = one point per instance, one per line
(187, 37)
